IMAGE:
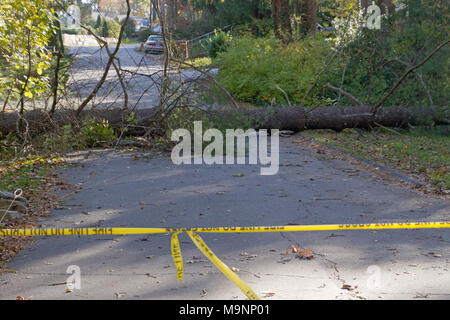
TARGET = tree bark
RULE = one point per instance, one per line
(286, 27)
(276, 18)
(311, 15)
(289, 118)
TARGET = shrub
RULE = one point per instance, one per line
(104, 30)
(113, 29)
(143, 34)
(219, 43)
(130, 27)
(98, 23)
(377, 58)
(71, 31)
(259, 70)
(96, 133)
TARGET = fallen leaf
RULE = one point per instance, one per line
(268, 294)
(347, 287)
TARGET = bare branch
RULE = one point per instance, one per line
(284, 93)
(403, 77)
(230, 97)
(345, 93)
(110, 54)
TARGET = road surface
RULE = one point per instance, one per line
(147, 190)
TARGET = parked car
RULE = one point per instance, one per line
(154, 43)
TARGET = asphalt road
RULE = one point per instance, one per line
(141, 76)
(147, 190)
(141, 70)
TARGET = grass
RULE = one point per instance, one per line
(422, 151)
(26, 174)
(31, 175)
(201, 62)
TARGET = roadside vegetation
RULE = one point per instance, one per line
(422, 152)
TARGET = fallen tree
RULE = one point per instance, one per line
(288, 118)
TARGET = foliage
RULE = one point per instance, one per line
(201, 62)
(96, 132)
(377, 58)
(98, 23)
(104, 29)
(56, 40)
(71, 31)
(24, 173)
(218, 43)
(143, 34)
(230, 11)
(216, 14)
(93, 133)
(259, 70)
(113, 29)
(260, 27)
(25, 31)
(9, 146)
(129, 29)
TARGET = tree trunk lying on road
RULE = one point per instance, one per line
(289, 118)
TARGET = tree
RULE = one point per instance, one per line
(113, 29)
(378, 58)
(25, 31)
(281, 13)
(98, 23)
(286, 19)
(104, 32)
(311, 15)
(129, 28)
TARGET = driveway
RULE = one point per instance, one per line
(136, 189)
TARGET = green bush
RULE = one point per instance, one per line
(377, 58)
(258, 70)
(71, 31)
(93, 133)
(98, 23)
(219, 43)
(96, 133)
(113, 29)
(143, 34)
(104, 29)
(129, 28)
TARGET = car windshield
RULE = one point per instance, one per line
(154, 38)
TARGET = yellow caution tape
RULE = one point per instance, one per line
(176, 255)
(201, 245)
(79, 231)
(290, 228)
